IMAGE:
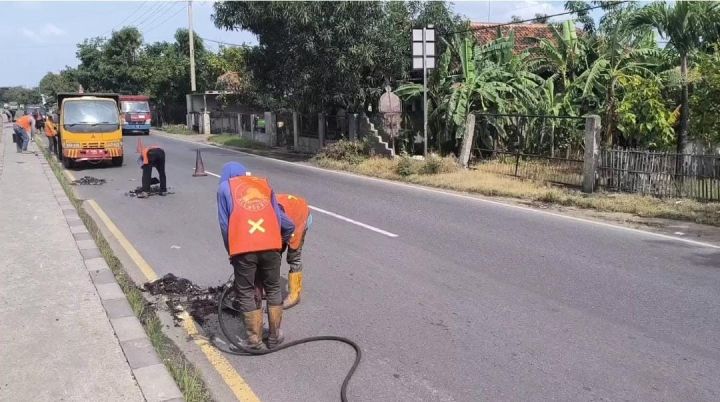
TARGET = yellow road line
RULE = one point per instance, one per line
(232, 378)
(124, 242)
(69, 175)
(237, 384)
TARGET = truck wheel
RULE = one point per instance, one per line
(67, 162)
(147, 132)
(117, 161)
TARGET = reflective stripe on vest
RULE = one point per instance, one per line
(253, 224)
(296, 208)
(145, 153)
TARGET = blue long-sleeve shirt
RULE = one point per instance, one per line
(225, 204)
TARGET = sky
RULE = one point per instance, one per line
(37, 37)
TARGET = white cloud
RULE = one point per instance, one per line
(32, 35)
(40, 36)
(52, 30)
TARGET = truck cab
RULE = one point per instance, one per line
(89, 129)
(136, 116)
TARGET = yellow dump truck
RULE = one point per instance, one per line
(89, 128)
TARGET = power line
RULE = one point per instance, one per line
(221, 43)
(159, 24)
(161, 13)
(129, 15)
(535, 19)
(152, 12)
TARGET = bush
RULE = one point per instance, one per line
(435, 164)
(406, 166)
(350, 151)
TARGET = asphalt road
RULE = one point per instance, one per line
(471, 301)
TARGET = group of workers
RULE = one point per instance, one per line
(22, 132)
(257, 227)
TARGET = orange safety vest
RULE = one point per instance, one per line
(253, 224)
(50, 130)
(145, 153)
(296, 208)
(25, 122)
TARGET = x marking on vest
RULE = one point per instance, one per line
(292, 197)
(256, 226)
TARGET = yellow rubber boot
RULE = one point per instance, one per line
(295, 280)
(275, 335)
(253, 327)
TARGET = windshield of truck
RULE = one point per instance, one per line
(135, 107)
(85, 116)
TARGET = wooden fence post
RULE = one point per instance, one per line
(296, 131)
(592, 151)
(321, 129)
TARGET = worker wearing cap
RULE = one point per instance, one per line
(51, 134)
(298, 211)
(254, 228)
(22, 129)
(152, 157)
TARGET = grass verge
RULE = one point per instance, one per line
(235, 140)
(176, 129)
(183, 372)
(439, 175)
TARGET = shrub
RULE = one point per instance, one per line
(406, 166)
(350, 151)
(435, 164)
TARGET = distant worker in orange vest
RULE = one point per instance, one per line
(51, 134)
(22, 129)
(152, 156)
(297, 209)
(254, 229)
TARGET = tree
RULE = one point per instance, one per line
(684, 24)
(21, 95)
(563, 56)
(703, 102)
(52, 84)
(318, 56)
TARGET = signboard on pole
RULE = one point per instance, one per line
(423, 57)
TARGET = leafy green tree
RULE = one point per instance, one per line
(563, 56)
(685, 24)
(643, 119)
(52, 84)
(705, 126)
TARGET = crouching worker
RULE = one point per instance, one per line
(296, 208)
(254, 229)
(152, 157)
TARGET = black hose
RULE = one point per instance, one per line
(246, 351)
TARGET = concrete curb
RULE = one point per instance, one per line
(151, 375)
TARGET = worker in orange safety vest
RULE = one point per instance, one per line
(297, 209)
(152, 156)
(254, 229)
(51, 134)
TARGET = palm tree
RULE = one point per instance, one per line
(563, 56)
(684, 24)
(622, 52)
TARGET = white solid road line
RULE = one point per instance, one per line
(354, 222)
(342, 218)
(468, 197)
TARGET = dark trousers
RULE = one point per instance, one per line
(156, 159)
(294, 257)
(266, 265)
(52, 144)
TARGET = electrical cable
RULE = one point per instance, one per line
(246, 351)
(542, 17)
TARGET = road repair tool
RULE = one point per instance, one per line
(199, 165)
(227, 289)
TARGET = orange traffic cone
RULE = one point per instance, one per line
(139, 147)
(199, 165)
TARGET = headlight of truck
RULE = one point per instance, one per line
(148, 121)
(72, 145)
(113, 145)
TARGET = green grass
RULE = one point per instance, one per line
(183, 372)
(177, 129)
(234, 140)
(491, 184)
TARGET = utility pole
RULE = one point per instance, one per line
(425, 105)
(192, 47)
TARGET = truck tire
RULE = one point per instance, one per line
(67, 162)
(118, 161)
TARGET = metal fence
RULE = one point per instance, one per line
(308, 125)
(535, 147)
(660, 174)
